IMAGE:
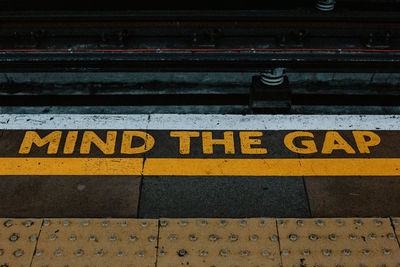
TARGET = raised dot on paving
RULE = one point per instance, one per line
(18, 239)
(97, 242)
(216, 242)
(338, 242)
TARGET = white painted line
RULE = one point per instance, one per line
(67, 122)
(201, 122)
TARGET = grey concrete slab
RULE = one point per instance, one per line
(354, 196)
(69, 196)
(233, 197)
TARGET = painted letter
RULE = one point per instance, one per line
(184, 140)
(309, 145)
(127, 137)
(363, 144)
(90, 137)
(31, 137)
(246, 143)
(334, 141)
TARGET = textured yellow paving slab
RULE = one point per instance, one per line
(18, 238)
(396, 224)
(338, 242)
(218, 242)
(97, 242)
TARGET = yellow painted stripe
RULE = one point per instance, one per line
(71, 166)
(201, 167)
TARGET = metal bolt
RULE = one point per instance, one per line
(223, 222)
(46, 223)
(293, 237)
(378, 222)
(124, 224)
(347, 252)
(92, 238)
(325, 5)
(387, 251)
(358, 222)
(132, 238)
(33, 238)
(113, 237)
(203, 252)
(253, 237)
(213, 237)
(332, 237)
(339, 222)
(243, 223)
(300, 223)
(66, 223)
(306, 252)
(8, 223)
(182, 253)
(85, 223)
(320, 222)
(161, 252)
(352, 236)
(28, 223)
(192, 237)
(144, 224)
(326, 252)
(366, 251)
(100, 253)
(53, 237)
(313, 237)
(72, 237)
(244, 253)
(163, 223)
(184, 223)
(18, 253)
(141, 253)
(104, 223)
(152, 238)
(172, 237)
(223, 252)
(120, 253)
(203, 222)
(38, 252)
(280, 222)
(262, 223)
(13, 237)
(79, 252)
(265, 252)
(58, 252)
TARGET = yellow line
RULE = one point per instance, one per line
(71, 166)
(201, 167)
(273, 167)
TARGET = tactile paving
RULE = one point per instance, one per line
(218, 242)
(396, 225)
(338, 242)
(18, 238)
(97, 242)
